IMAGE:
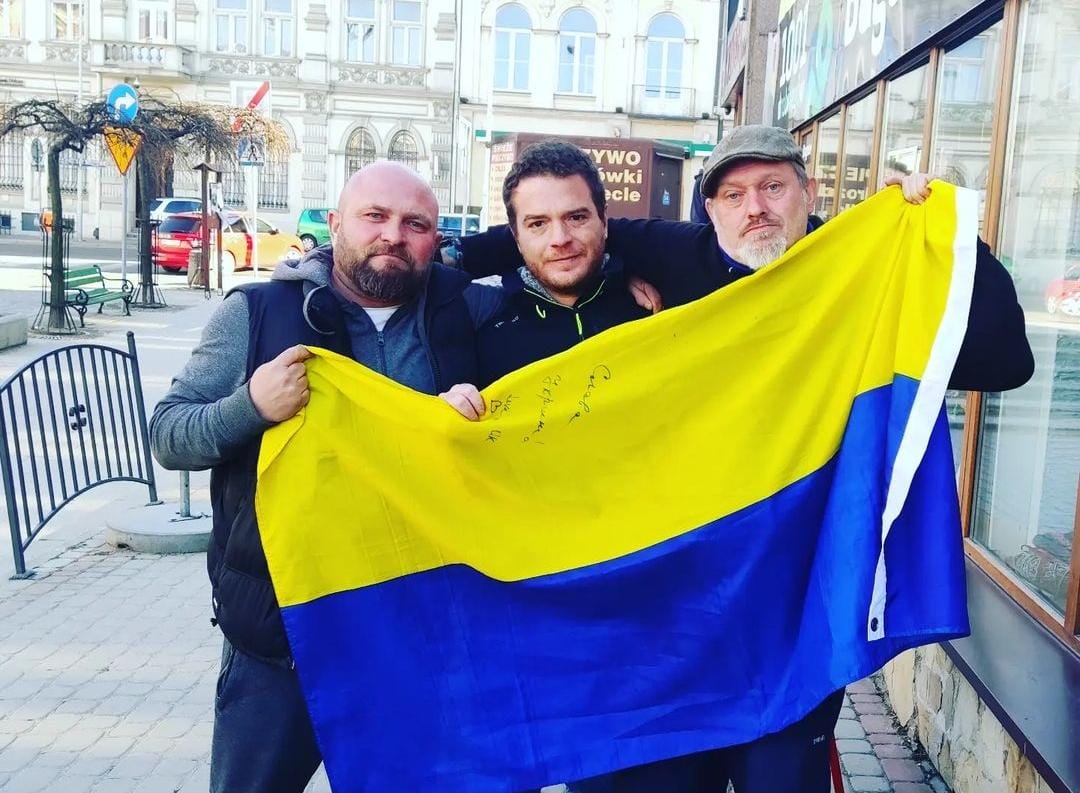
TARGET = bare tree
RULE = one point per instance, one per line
(165, 128)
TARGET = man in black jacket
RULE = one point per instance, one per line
(567, 289)
(372, 296)
(759, 199)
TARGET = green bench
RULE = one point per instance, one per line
(85, 287)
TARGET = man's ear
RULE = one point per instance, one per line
(333, 224)
(811, 193)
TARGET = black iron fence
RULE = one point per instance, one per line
(69, 421)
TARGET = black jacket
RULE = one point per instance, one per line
(529, 325)
(279, 317)
(684, 262)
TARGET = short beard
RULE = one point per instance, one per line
(758, 253)
(391, 285)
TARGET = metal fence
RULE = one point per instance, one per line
(69, 421)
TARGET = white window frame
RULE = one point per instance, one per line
(11, 18)
(578, 69)
(278, 31)
(412, 38)
(232, 16)
(73, 19)
(158, 22)
(514, 37)
(371, 22)
(665, 91)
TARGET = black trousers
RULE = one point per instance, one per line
(794, 760)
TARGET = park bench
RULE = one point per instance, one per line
(85, 287)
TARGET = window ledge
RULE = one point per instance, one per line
(1026, 676)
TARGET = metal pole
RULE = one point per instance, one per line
(255, 221)
(124, 231)
(81, 175)
(185, 494)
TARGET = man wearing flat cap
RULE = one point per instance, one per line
(759, 198)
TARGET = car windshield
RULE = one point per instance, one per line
(182, 225)
(184, 206)
(317, 215)
(155, 204)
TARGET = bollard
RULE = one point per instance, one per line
(185, 495)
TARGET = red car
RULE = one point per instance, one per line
(179, 234)
(1063, 294)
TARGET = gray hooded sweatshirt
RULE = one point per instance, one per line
(208, 415)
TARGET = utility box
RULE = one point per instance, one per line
(642, 177)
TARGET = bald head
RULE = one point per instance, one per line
(385, 176)
(384, 234)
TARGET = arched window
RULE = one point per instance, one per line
(664, 57)
(513, 31)
(274, 181)
(577, 52)
(359, 151)
(403, 149)
(11, 160)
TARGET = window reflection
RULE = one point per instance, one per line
(905, 116)
(825, 170)
(1029, 458)
(858, 142)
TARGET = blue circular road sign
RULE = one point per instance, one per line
(123, 103)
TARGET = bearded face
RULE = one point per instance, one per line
(385, 272)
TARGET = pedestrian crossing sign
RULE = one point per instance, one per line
(249, 151)
(123, 145)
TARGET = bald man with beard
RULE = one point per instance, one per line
(373, 295)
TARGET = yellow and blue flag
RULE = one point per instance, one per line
(682, 534)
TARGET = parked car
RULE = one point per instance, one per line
(179, 234)
(161, 208)
(313, 227)
(1063, 294)
(451, 225)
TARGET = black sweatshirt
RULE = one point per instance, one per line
(684, 262)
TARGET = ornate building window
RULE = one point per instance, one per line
(11, 19)
(664, 57)
(360, 31)
(277, 26)
(577, 52)
(359, 151)
(153, 19)
(67, 20)
(231, 26)
(405, 32)
(274, 181)
(513, 32)
(11, 160)
(403, 149)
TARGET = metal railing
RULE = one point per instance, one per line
(667, 101)
(70, 420)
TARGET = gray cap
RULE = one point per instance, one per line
(749, 142)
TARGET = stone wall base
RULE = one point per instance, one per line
(935, 703)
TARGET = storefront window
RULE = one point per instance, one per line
(965, 113)
(1029, 457)
(825, 169)
(905, 115)
(858, 142)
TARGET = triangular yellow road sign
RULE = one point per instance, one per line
(123, 146)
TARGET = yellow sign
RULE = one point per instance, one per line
(123, 146)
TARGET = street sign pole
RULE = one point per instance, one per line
(255, 220)
(124, 231)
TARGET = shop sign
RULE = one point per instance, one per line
(735, 50)
(828, 48)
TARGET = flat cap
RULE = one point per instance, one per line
(748, 142)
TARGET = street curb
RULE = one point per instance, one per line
(159, 529)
